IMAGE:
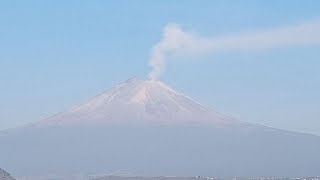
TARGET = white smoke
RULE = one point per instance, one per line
(176, 40)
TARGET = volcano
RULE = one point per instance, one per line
(139, 102)
(145, 127)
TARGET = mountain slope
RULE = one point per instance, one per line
(147, 128)
(5, 176)
(139, 102)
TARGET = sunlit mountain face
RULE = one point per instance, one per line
(145, 127)
(139, 102)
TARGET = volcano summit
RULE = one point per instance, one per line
(144, 127)
(137, 102)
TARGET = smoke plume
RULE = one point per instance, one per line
(176, 40)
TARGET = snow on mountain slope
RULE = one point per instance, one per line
(187, 139)
(139, 101)
(5, 176)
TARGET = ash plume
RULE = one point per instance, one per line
(176, 40)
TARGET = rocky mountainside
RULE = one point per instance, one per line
(5, 176)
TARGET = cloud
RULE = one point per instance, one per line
(176, 40)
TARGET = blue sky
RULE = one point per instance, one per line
(54, 54)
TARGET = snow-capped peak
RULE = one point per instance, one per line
(138, 101)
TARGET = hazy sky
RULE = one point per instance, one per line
(54, 54)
